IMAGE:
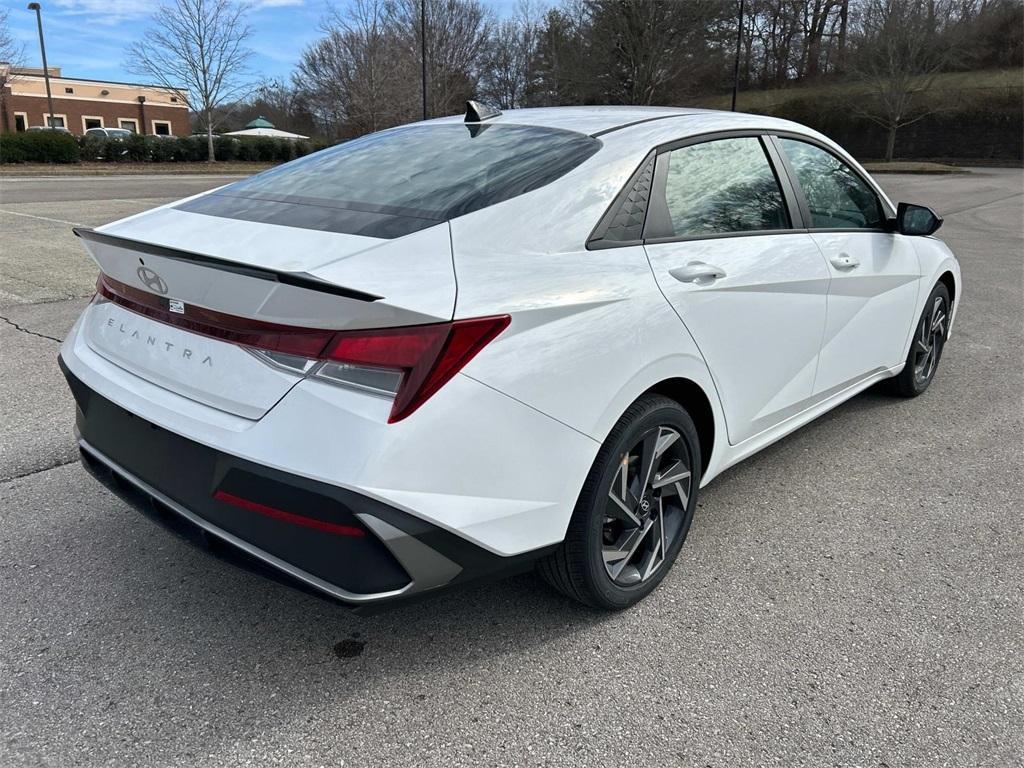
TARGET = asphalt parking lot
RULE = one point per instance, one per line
(851, 596)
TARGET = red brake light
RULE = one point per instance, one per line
(415, 360)
(427, 355)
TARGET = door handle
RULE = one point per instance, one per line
(697, 272)
(844, 261)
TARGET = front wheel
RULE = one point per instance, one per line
(635, 509)
(926, 347)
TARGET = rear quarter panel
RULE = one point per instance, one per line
(590, 330)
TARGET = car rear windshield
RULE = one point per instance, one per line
(395, 182)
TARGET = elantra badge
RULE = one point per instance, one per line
(176, 305)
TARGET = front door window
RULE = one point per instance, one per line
(836, 196)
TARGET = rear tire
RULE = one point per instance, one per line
(634, 511)
(926, 347)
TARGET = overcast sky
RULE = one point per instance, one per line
(87, 38)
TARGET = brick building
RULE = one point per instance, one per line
(80, 104)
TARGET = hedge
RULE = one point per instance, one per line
(985, 126)
(43, 146)
(39, 147)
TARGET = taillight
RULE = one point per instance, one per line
(411, 363)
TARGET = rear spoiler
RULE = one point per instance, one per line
(296, 279)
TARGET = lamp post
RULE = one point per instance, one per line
(42, 49)
(423, 53)
(142, 115)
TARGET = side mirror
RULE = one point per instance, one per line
(916, 220)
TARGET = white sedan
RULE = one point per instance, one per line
(474, 345)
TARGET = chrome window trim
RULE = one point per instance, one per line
(791, 192)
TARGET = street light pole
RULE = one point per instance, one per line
(42, 49)
(736, 67)
(423, 53)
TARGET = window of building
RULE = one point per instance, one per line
(20, 121)
(723, 186)
(69, 90)
(56, 121)
(128, 124)
(161, 128)
(837, 197)
(92, 122)
(174, 99)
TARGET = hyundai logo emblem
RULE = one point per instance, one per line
(151, 280)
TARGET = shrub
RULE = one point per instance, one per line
(266, 149)
(138, 149)
(285, 150)
(160, 150)
(39, 147)
(225, 147)
(183, 148)
(103, 148)
(12, 149)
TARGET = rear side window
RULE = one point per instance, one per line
(392, 183)
(723, 186)
(837, 197)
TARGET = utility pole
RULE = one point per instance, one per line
(423, 53)
(736, 68)
(42, 49)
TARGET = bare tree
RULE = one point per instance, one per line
(11, 53)
(357, 73)
(364, 73)
(457, 34)
(508, 77)
(198, 46)
(776, 26)
(564, 66)
(653, 51)
(278, 102)
(816, 19)
(901, 53)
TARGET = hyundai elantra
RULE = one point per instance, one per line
(474, 345)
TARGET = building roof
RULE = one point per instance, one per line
(55, 74)
(272, 132)
(259, 122)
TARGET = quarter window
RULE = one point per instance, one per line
(723, 186)
(837, 197)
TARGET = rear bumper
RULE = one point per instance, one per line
(332, 540)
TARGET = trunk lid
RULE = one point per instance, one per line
(181, 263)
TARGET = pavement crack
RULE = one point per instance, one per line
(29, 332)
(47, 468)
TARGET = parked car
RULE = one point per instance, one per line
(109, 133)
(465, 347)
(57, 128)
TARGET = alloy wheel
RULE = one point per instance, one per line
(646, 506)
(931, 335)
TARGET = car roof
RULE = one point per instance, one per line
(636, 121)
(589, 120)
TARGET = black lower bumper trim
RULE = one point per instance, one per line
(173, 480)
